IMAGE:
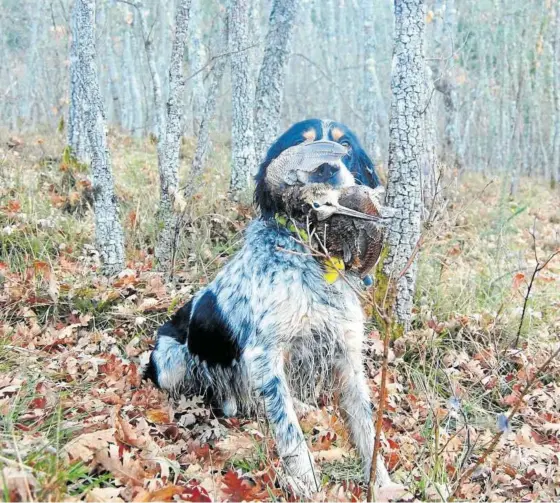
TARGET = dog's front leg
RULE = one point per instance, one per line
(356, 404)
(266, 370)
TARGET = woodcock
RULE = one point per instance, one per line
(346, 219)
(348, 222)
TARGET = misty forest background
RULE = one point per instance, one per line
(492, 67)
(126, 156)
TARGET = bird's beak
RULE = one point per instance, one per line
(343, 210)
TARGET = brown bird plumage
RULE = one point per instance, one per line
(361, 240)
(348, 222)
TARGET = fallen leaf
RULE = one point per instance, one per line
(158, 416)
(104, 494)
(86, 445)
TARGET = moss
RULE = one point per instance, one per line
(384, 294)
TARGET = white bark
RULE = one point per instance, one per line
(203, 143)
(158, 120)
(197, 59)
(270, 85)
(114, 83)
(134, 105)
(556, 93)
(168, 147)
(243, 161)
(444, 82)
(370, 81)
(77, 134)
(108, 231)
(406, 149)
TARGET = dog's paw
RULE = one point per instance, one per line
(302, 487)
(300, 476)
(229, 407)
(302, 408)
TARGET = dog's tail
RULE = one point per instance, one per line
(170, 360)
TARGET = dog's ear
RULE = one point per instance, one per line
(357, 161)
(262, 197)
(361, 166)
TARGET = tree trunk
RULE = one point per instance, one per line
(556, 93)
(108, 232)
(77, 134)
(203, 143)
(243, 163)
(168, 147)
(197, 59)
(406, 150)
(370, 79)
(270, 85)
(114, 83)
(444, 83)
(134, 105)
(158, 120)
(431, 200)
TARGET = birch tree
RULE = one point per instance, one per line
(243, 161)
(406, 149)
(108, 231)
(169, 143)
(270, 85)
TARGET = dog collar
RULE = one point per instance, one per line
(332, 265)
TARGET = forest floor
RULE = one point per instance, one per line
(78, 423)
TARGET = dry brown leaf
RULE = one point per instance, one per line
(333, 454)
(164, 494)
(125, 433)
(86, 445)
(18, 484)
(158, 416)
(127, 469)
(104, 494)
(234, 445)
(393, 492)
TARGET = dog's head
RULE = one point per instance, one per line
(355, 162)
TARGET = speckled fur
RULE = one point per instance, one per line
(274, 294)
(289, 333)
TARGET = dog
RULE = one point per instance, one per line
(269, 329)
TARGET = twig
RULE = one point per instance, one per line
(333, 83)
(385, 313)
(221, 55)
(499, 434)
(388, 321)
(538, 268)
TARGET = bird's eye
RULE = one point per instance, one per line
(316, 205)
(345, 144)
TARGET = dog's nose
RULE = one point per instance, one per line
(327, 170)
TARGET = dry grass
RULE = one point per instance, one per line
(71, 343)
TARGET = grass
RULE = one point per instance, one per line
(68, 336)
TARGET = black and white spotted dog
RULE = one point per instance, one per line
(270, 327)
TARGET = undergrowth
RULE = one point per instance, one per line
(71, 344)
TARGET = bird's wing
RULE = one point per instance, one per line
(303, 157)
(310, 155)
